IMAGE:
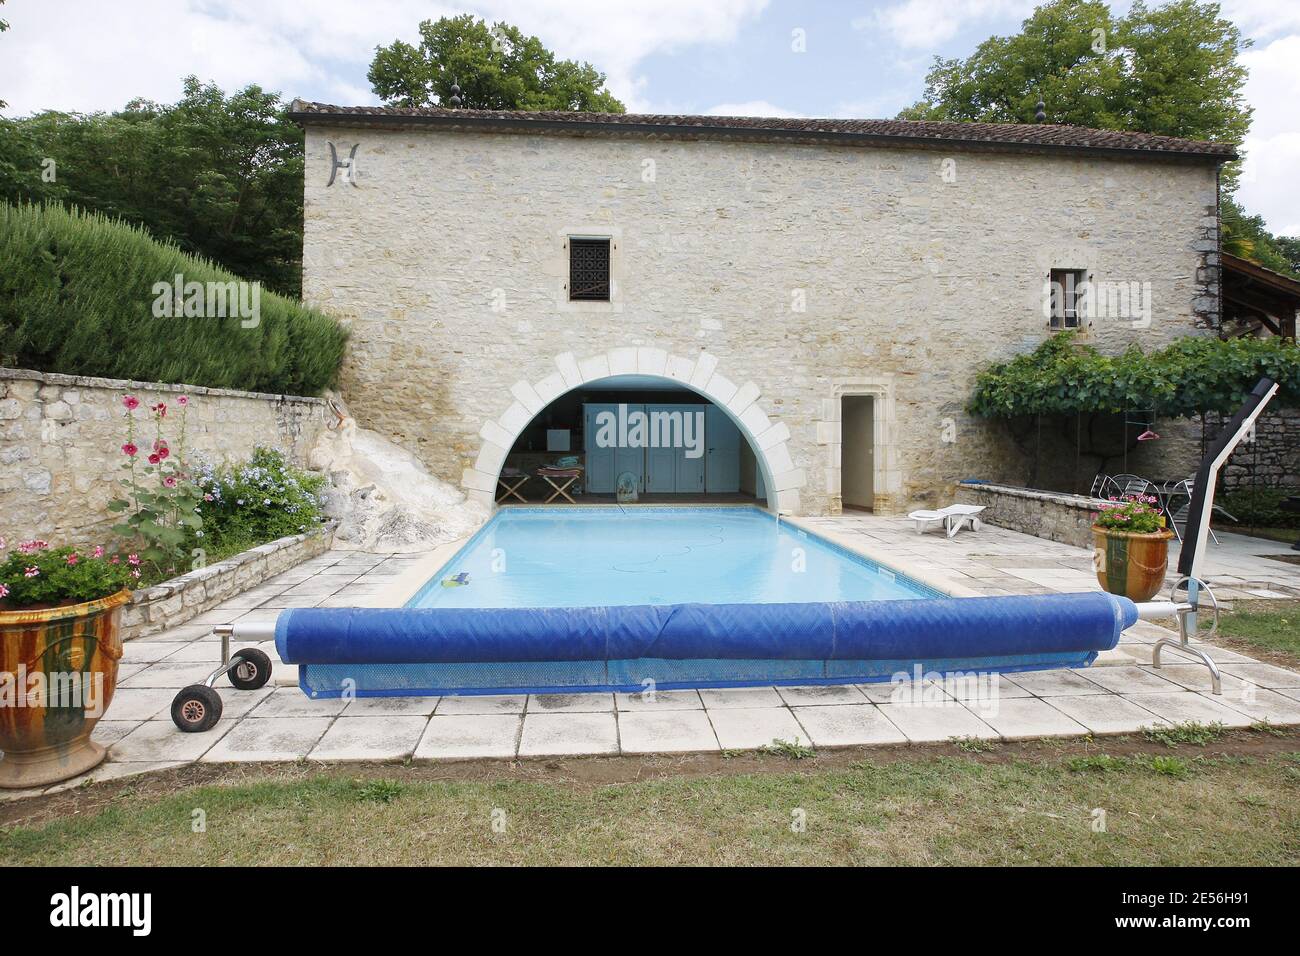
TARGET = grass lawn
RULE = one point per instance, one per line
(1268, 629)
(1287, 535)
(1165, 803)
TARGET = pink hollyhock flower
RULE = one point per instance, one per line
(72, 559)
(133, 560)
(4, 590)
(98, 552)
(183, 400)
(154, 458)
(170, 481)
(131, 402)
(160, 409)
(129, 449)
(31, 572)
(163, 450)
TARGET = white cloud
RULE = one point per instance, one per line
(90, 55)
(1263, 19)
(750, 108)
(1269, 186)
(924, 24)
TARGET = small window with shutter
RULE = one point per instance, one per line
(588, 270)
(1067, 298)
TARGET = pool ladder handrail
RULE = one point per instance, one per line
(1186, 612)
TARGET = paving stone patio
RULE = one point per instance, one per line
(1122, 693)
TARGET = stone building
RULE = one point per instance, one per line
(832, 286)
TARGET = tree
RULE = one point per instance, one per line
(221, 176)
(497, 68)
(1172, 70)
(4, 25)
(1289, 247)
(1248, 237)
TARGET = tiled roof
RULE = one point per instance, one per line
(1035, 136)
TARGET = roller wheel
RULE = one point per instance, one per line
(196, 708)
(251, 669)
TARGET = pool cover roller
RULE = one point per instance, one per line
(1008, 633)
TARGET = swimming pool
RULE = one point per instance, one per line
(585, 599)
(577, 557)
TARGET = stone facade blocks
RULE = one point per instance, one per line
(792, 266)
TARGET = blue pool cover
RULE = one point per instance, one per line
(411, 651)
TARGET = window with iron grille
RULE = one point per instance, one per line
(589, 270)
(1067, 297)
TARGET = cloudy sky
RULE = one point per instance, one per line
(865, 58)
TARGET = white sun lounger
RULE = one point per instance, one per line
(953, 518)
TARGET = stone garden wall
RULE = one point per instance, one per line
(61, 435)
(1045, 514)
(1271, 460)
(174, 602)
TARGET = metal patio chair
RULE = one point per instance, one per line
(1183, 490)
(1103, 487)
(1133, 485)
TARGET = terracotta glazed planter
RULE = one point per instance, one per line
(58, 670)
(1132, 565)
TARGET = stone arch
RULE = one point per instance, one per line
(766, 436)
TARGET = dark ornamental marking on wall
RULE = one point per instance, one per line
(349, 165)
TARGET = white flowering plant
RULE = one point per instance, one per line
(257, 501)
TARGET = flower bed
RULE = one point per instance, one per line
(181, 599)
(176, 516)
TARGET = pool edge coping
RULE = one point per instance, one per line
(907, 568)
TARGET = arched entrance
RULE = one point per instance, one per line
(741, 404)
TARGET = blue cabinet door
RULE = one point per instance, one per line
(722, 455)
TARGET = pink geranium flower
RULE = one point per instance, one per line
(31, 572)
(135, 572)
(4, 590)
(133, 560)
(131, 402)
(98, 552)
(31, 547)
(72, 559)
(129, 449)
(114, 560)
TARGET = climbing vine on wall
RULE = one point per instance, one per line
(1186, 378)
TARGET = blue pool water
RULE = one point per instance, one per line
(575, 557)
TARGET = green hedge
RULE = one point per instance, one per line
(1191, 375)
(1260, 507)
(77, 296)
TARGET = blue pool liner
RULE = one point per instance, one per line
(410, 651)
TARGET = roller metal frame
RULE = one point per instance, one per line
(1187, 626)
(259, 633)
(1197, 529)
(202, 698)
